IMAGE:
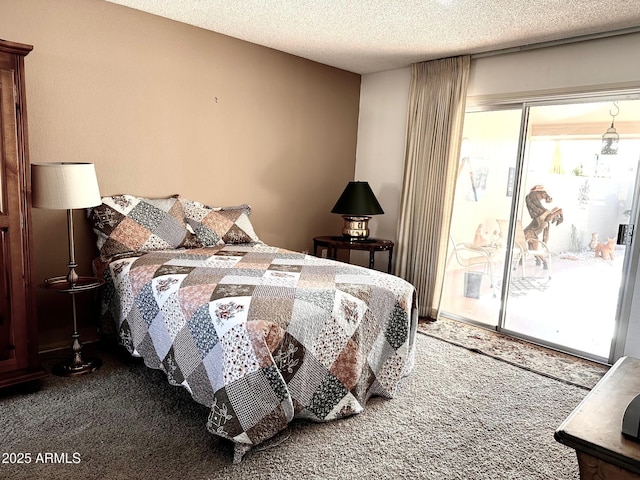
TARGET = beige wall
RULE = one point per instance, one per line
(162, 108)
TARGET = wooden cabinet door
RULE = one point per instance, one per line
(19, 362)
(13, 314)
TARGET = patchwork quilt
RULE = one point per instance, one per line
(263, 335)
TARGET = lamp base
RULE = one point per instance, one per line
(355, 227)
(77, 365)
(73, 368)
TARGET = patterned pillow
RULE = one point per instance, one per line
(125, 223)
(219, 225)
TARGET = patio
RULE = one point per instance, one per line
(575, 307)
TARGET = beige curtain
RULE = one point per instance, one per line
(434, 127)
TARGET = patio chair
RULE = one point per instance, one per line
(468, 255)
(524, 248)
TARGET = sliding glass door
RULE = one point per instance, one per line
(535, 244)
(484, 198)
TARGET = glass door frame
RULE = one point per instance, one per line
(632, 254)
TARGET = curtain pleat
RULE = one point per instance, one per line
(437, 98)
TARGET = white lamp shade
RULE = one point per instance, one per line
(64, 186)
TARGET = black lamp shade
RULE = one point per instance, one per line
(357, 199)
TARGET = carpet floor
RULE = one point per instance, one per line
(459, 415)
(545, 361)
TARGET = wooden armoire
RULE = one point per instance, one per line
(18, 324)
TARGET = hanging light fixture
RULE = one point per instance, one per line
(611, 137)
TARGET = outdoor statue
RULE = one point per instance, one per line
(541, 217)
(605, 249)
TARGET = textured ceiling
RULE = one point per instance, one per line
(369, 36)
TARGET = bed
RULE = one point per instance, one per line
(259, 334)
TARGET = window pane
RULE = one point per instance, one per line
(484, 193)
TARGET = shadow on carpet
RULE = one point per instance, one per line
(544, 361)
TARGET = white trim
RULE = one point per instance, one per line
(622, 91)
(555, 43)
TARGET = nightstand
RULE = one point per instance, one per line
(594, 428)
(372, 245)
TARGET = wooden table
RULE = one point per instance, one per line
(594, 428)
(372, 245)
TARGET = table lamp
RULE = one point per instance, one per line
(68, 186)
(356, 205)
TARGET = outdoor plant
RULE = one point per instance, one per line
(576, 244)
